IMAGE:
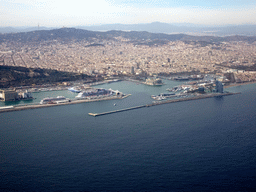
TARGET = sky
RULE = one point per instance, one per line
(58, 13)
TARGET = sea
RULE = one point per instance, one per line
(199, 145)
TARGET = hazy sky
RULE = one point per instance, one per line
(94, 12)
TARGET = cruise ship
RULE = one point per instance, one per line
(55, 100)
(94, 93)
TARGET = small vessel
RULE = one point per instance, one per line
(114, 104)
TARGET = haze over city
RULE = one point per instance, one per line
(77, 13)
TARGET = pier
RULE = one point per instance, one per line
(165, 102)
(116, 111)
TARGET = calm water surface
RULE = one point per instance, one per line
(202, 145)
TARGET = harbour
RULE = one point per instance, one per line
(104, 92)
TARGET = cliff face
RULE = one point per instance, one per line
(20, 76)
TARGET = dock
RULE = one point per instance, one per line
(165, 102)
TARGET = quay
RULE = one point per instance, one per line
(35, 106)
(165, 102)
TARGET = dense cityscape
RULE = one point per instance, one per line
(120, 56)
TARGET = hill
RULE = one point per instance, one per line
(19, 76)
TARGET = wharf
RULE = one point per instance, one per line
(165, 102)
(35, 106)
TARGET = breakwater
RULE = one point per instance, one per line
(165, 102)
(116, 111)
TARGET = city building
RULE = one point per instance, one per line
(219, 87)
(132, 70)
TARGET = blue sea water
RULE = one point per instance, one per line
(201, 145)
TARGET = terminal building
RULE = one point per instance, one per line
(8, 95)
(153, 81)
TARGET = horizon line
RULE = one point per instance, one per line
(180, 24)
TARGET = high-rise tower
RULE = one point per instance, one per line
(219, 87)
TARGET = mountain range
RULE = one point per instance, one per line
(135, 37)
(157, 27)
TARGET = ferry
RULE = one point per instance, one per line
(55, 100)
